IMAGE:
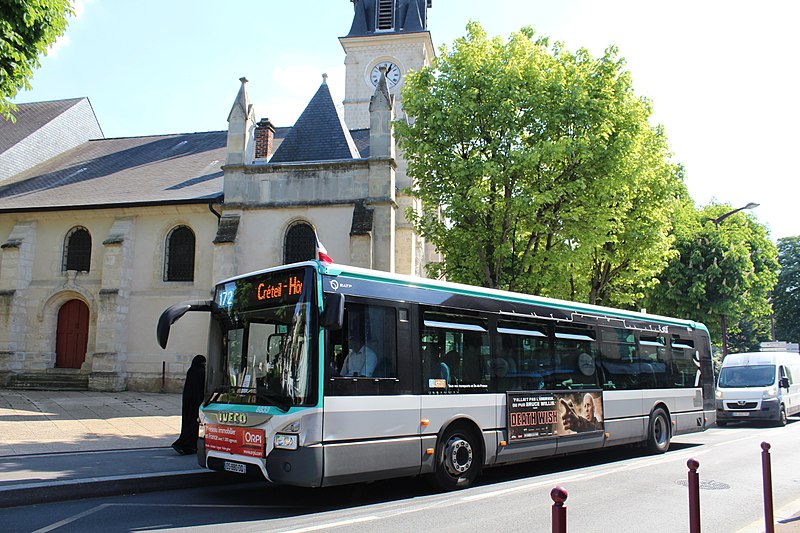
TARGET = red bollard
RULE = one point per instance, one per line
(694, 496)
(766, 470)
(559, 496)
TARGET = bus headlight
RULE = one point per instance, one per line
(285, 442)
(201, 433)
(770, 393)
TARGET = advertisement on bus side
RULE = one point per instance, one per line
(236, 440)
(553, 413)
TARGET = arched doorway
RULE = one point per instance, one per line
(72, 333)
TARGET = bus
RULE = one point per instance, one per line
(323, 374)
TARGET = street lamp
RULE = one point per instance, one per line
(716, 221)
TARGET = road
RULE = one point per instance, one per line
(621, 490)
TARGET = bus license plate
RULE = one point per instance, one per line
(741, 414)
(237, 468)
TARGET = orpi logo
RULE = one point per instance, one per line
(238, 419)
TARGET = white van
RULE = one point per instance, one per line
(758, 386)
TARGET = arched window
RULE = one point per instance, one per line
(179, 257)
(77, 250)
(300, 244)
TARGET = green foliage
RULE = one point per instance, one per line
(27, 29)
(721, 270)
(786, 296)
(538, 170)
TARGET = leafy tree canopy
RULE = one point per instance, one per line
(786, 296)
(27, 29)
(537, 169)
(726, 269)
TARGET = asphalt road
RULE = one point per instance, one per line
(621, 490)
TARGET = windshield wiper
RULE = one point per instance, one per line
(281, 402)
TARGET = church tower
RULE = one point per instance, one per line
(385, 33)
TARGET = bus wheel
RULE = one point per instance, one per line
(658, 434)
(458, 459)
(782, 420)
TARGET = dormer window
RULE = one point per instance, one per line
(385, 14)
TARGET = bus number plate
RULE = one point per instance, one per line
(238, 468)
(741, 414)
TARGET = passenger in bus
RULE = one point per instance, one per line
(361, 359)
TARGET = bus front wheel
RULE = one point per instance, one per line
(658, 433)
(458, 459)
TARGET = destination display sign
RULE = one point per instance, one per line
(262, 290)
(538, 414)
(235, 440)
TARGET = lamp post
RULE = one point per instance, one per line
(716, 221)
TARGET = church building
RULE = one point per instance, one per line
(99, 235)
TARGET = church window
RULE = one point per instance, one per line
(385, 14)
(179, 259)
(300, 244)
(77, 250)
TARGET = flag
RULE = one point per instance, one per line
(322, 253)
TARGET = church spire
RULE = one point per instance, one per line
(241, 121)
(382, 16)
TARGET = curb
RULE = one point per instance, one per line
(76, 489)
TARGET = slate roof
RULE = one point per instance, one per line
(30, 118)
(180, 168)
(318, 135)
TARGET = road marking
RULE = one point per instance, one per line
(71, 519)
(784, 513)
(341, 523)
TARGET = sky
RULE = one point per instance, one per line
(722, 75)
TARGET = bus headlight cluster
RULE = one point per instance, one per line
(285, 441)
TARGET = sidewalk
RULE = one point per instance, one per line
(57, 445)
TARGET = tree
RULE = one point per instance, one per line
(28, 28)
(786, 296)
(725, 270)
(537, 169)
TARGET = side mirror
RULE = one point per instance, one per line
(173, 313)
(332, 316)
(783, 383)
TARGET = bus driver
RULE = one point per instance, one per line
(361, 360)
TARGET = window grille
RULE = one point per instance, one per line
(180, 255)
(300, 244)
(77, 250)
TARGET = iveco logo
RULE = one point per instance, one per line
(239, 419)
(741, 402)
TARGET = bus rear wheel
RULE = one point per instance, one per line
(458, 459)
(658, 433)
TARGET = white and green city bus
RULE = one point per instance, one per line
(444, 379)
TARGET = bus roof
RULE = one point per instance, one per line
(473, 290)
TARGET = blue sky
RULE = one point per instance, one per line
(722, 74)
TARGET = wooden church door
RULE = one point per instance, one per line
(72, 334)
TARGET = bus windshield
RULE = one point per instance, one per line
(747, 376)
(264, 324)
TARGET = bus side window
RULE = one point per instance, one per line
(575, 358)
(682, 364)
(619, 358)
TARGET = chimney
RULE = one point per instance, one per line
(265, 133)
